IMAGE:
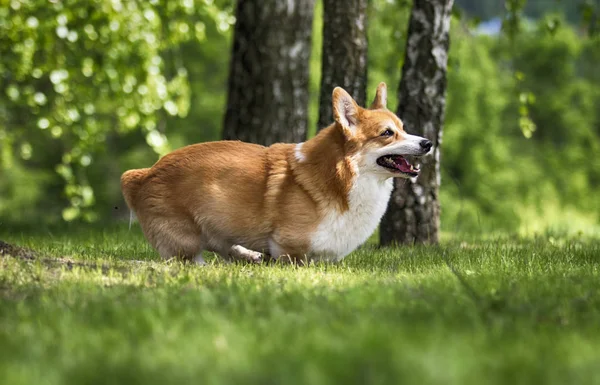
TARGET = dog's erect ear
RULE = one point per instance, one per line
(345, 109)
(380, 101)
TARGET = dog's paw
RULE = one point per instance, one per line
(254, 257)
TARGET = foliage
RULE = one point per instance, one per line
(565, 109)
(529, 310)
(473, 165)
(494, 166)
(77, 72)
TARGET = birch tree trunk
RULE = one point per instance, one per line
(344, 61)
(268, 78)
(413, 214)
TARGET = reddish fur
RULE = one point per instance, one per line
(250, 193)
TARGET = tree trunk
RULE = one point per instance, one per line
(268, 78)
(413, 215)
(344, 61)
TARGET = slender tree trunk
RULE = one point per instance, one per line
(344, 60)
(413, 215)
(268, 78)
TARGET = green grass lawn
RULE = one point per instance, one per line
(503, 311)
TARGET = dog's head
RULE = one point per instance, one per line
(376, 136)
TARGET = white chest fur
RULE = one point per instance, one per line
(339, 234)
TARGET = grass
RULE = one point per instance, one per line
(503, 311)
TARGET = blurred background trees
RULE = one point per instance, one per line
(344, 54)
(269, 72)
(91, 88)
(413, 214)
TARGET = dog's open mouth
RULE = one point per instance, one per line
(398, 163)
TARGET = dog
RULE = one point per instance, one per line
(316, 200)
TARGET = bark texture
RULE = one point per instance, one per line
(344, 61)
(268, 78)
(413, 214)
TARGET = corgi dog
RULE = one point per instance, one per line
(316, 200)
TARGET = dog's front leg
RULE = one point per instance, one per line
(240, 253)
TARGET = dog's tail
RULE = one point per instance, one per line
(131, 181)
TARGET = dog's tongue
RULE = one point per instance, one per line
(401, 164)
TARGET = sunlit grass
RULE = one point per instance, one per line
(467, 312)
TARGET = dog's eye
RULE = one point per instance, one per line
(387, 132)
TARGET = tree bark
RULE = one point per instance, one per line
(344, 61)
(268, 78)
(413, 215)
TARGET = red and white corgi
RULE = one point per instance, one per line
(320, 199)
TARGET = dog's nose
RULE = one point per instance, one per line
(426, 144)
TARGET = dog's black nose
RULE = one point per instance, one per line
(426, 144)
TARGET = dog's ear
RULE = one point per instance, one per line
(380, 101)
(345, 110)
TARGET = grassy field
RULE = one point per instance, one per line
(503, 311)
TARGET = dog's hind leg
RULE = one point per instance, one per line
(174, 239)
(198, 260)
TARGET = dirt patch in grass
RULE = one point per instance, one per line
(51, 262)
(7, 249)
